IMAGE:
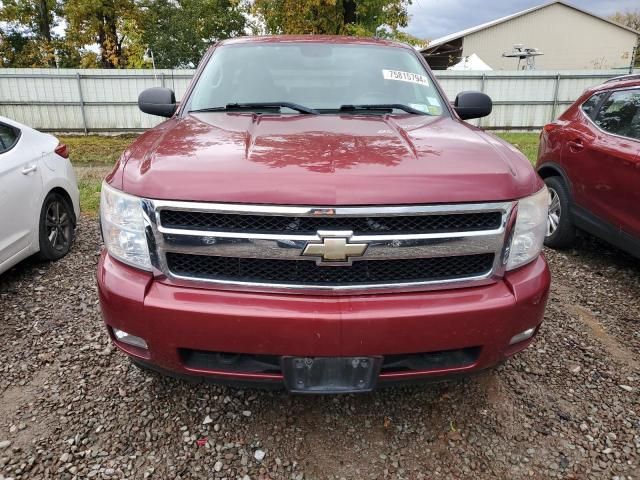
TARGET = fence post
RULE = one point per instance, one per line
(162, 79)
(84, 117)
(555, 98)
(482, 89)
(483, 80)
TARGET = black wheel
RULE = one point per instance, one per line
(560, 230)
(57, 224)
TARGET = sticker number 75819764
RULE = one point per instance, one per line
(405, 77)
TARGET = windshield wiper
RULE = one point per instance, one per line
(385, 107)
(231, 107)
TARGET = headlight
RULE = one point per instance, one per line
(123, 227)
(530, 229)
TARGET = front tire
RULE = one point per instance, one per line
(57, 225)
(560, 230)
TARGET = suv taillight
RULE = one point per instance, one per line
(62, 150)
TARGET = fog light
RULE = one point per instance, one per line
(129, 339)
(521, 337)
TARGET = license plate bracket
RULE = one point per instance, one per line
(330, 374)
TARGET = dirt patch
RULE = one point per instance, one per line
(15, 405)
(620, 353)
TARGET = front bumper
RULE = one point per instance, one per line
(180, 324)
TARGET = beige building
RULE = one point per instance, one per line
(569, 37)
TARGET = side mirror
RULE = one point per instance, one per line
(157, 101)
(472, 105)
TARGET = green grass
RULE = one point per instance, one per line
(89, 194)
(527, 143)
(96, 149)
(94, 155)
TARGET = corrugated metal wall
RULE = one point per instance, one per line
(83, 100)
(523, 99)
(106, 100)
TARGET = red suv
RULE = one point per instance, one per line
(315, 214)
(590, 160)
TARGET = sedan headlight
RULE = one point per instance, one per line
(123, 227)
(529, 230)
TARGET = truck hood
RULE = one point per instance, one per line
(322, 160)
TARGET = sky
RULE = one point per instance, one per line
(431, 19)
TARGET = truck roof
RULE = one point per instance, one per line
(335, 39)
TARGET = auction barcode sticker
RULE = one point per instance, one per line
(405, 77)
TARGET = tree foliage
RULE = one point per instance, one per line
(36, 16)
(332, 17)
(27, 40)
(631, 19)
(117, 33)
(101, 22)
(179, 31)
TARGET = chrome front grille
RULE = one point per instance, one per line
(272, 248)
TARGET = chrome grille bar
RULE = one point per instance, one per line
(380, 246)
(308, 211)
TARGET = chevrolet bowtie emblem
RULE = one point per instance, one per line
(334, 248)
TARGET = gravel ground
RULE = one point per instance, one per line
(73, 407)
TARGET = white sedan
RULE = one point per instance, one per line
(39, 198)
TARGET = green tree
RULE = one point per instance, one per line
(27, 38)
(179, 31)
(12, 43)
(37, 17)
(335, 17)
(102, 22)
(406, 38)
(301, 16)
(630, 19)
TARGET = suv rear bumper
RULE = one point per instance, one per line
(469, 328)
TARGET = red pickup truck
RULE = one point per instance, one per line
(315, 214)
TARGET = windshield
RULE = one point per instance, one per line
(326, 78)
